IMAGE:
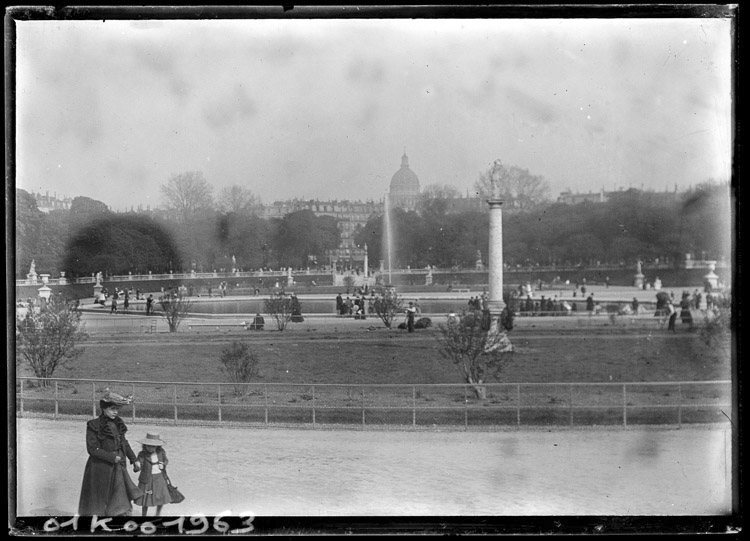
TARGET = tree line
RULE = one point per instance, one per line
(632, 225)
(195, 231)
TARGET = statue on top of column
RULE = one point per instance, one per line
(496, 174)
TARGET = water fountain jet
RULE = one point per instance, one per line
(388, 238)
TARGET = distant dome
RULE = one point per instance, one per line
(404, 189)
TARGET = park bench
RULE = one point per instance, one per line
(217, 326)
(461, 290)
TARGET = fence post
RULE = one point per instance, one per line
(414, 406)
(466, 409)
(518, 405)
(624, 406)
(56, 404)
(174, 401)
(21, 397)
(313, 404)
(570, 402)
(218, 394)
(363, 407)
(679, 405)
(132, 393)
(265, 398)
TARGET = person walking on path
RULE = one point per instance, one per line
(107, 488)
(296, 310)
(672, 314)
(149, 304)
(152, 481)
(685, 315)
(590, 303)
(410, 317)
(113, 307)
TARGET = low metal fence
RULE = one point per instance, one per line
(414, 406)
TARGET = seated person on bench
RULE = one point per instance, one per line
(258, 323)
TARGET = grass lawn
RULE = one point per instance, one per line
(392, 357)
(388, 357)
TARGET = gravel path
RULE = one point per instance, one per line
(291, 472)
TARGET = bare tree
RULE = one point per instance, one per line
(279, 307)
(174, 308)
(187, 194)
(717, 331)
(238, 199)
(440, 191)
(240, 364)
(478, 354)
(517, 187)
(47, 337)
(388, 305)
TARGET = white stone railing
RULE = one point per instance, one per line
(694, 264)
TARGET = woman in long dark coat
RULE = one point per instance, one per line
(685, 315)
(107, 488)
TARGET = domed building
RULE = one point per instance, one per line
(404, 189)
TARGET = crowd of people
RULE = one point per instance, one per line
(358, 307)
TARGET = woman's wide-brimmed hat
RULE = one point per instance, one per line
(110, 399)
(152, 439)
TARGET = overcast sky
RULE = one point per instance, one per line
(325, 108)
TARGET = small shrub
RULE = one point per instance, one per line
(279, 307)
(423, 323)
(240, 364)
(349, 281)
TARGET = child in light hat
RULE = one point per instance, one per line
(152, 480)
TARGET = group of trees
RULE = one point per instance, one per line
(191, 232)
(631, 225)
(196, 231)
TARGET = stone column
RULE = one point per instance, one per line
(496, 302)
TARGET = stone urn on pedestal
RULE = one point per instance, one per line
(45, 292)
(711, 279)
(98, 287)
(638, 278)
